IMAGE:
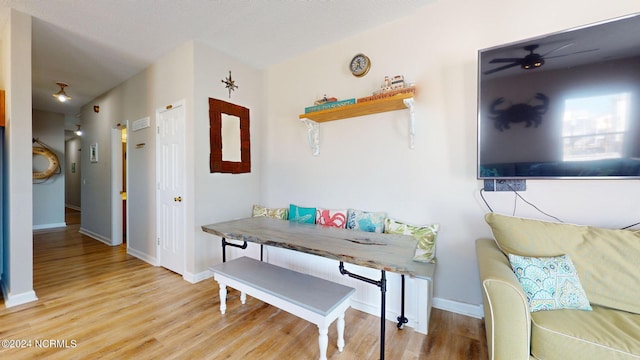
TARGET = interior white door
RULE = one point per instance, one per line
(170, 175)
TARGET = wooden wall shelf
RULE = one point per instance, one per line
(397, 102)
(359, 109)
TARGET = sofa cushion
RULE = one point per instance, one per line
(606, 259)
(599, 334)
(550, 283)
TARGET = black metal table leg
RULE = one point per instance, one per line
(382, 284)
(402, 319)
(224, 245)
(383, 311)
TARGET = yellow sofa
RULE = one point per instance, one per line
(608, 264)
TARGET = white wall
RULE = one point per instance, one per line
(48, 196)
(365, 162)
(191, 72)
(17, 277)
(166, 81)
(218, 196)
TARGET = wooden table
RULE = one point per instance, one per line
(384, 252)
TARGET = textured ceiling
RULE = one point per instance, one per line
(96, 44)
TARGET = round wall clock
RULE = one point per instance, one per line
(360, 65)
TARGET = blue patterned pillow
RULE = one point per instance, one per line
(550, 283)
(302, 214)
(365, 220)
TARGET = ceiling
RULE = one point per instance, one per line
(94, 45)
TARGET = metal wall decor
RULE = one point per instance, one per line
(230, 84)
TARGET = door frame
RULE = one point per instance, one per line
(116, 184)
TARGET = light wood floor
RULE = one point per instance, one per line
(96, 301)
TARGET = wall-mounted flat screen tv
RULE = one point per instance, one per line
(563, 105)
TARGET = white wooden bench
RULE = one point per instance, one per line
(316, 300)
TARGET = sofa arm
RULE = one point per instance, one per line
(506, 311)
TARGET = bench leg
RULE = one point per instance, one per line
(340, 325)
(243, 297)
(223, 297)
(323, 341)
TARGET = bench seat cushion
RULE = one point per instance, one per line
(603, 333)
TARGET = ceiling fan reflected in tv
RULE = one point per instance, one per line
(532, 60)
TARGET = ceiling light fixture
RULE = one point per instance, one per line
(61, 95)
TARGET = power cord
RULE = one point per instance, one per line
(515, 202)
(529, 203)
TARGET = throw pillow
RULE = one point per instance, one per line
(333, 218)
(366, 220)
(426, 236)
(302, 214)
(278, 213)
(550, 283)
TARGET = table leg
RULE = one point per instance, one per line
(383, 311)
(402, 319)
(224, 245)
(382, 284)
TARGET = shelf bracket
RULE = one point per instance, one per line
(410, 104)
(313, 135)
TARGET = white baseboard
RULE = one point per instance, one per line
(49, 226)
(11, 300)
(93, 235)
(194, 278)
(471, 310)
(142, 256)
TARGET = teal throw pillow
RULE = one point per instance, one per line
(550, 283)
(302, 214)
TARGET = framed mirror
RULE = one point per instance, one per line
(229, 138)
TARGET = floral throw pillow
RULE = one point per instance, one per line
(278, 213)
(550, 283)
(426, 236)
(333, 218)
(302, 214)
(365, 220)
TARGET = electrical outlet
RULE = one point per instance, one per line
(511, 185)
(505, 185)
